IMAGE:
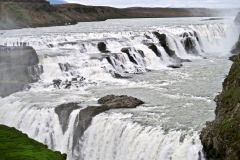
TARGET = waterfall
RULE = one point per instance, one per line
(66, 56)
(114, 137)
(73, 62)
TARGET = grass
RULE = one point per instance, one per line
(15, 145)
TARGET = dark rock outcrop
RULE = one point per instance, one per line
(63, 111)
(115, 102)
(190, 45)
(127, 51)
(154, 48)
(171, 53)
(175, 65)
(102, 47)
(107, 103)
(86, 114)
(221, 138)
(164, 43)
(18, 67)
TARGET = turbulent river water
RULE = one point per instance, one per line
(124, 57)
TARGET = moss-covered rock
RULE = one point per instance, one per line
(221, 138)
(15, 145)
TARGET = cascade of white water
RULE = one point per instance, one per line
(114, 137)
(128, 52)
(67, 56)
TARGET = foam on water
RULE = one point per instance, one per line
(115, 137)
(71, 53)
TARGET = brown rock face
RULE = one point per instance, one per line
(221, 138)
(87, 114)
(114, 102)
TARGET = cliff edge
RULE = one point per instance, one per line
(221, 138)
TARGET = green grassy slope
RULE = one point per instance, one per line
(15, 145)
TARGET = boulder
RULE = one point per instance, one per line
(102, 47)
(114, 102)
(175, 65)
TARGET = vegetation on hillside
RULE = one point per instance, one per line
(221, 138)
(15, 145)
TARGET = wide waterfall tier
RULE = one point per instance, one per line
(83, 62)
(97, 57)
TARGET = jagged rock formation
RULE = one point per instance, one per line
(86, 114)
(221, 138)
(15, 145)
(38, 13)
(18, 67)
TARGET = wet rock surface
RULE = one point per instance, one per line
(131, 58)
(154, 48)
(164, 43)
(75, 82)
(18, 67)
(113, 102)
(63, 111)
(221, 137)
(102, 47)
(106, 103)
(87, 114)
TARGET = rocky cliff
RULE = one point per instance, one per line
(18, 67)
(221, 138)
(38, 13)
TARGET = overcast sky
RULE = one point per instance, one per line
(162, 3)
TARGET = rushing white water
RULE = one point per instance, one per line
(112, 137)
(178, 101)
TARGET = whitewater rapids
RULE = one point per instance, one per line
(178, 101)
